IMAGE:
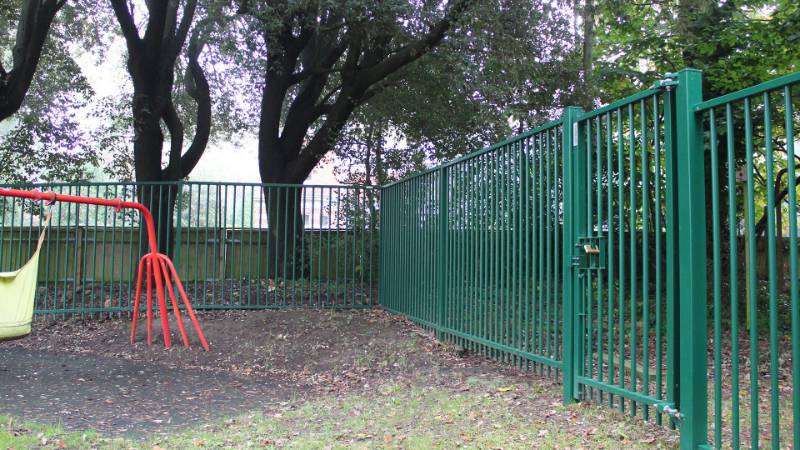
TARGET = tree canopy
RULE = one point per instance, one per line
(428, 80)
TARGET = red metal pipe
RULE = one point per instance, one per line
(156, 269)
(116, 203)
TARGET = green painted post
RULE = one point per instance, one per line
(441, 260)
(692, 309)
(178, 226)
(569, 358)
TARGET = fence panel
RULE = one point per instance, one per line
(471, 249)
(750, 146)
(674, 214)
(234, 245)
(623, 254)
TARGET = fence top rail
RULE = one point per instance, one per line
(510, 140)
(647, 93)
(771, 85)
(181, 183)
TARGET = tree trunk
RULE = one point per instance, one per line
(160, 200)
(286, 238)
(285, 254)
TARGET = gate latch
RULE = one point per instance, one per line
(589, 254)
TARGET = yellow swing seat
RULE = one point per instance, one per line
(17, 294)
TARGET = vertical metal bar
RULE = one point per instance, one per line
(569, 354)
(610, 251)
(773, 275)
(588, 275)
(794, 291)
(362, 196)
(179, 224)
(645, 259)
(543, 201)
(341, 234)
(733, 245)
(751, 276)
(717, 275)
(547, 244)
(495, 264)
(558, 196)
(598, 234)
(692, 245)
(285, 238)
(671, 242)
(632, 245)
(250, 252)
(659, 363)
(621, 249)
(521, 299)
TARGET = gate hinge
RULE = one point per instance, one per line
(667, 82)
(670, 410)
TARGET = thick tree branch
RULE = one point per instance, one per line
(322, 141)
(198, 88)
(127, 25)
(156, 26)
(175, 127)
(32, 30)
(371, 75)
(302, 112)
(183, 27)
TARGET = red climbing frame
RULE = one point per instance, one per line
(158, 267)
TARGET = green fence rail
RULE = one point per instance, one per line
(600, 247)
(235, 245)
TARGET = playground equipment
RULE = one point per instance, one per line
(17, 293)
(157, 267)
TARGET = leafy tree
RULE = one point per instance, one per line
(151, 64)
(48, 138)
(32, 26)
(505, 68)
(318, 61)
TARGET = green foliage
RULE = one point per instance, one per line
(45, 140)
(735, 44)
(50, 136)
(507, 66)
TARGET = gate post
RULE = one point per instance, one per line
(692, 298)
(569, 356)
(441, 259)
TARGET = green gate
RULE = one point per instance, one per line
(631, 252)
(602, 246)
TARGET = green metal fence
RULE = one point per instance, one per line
(600, 248)
(228, 250)
(474, 249)
(751, 143)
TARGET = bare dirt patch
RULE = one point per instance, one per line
(85, 374)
